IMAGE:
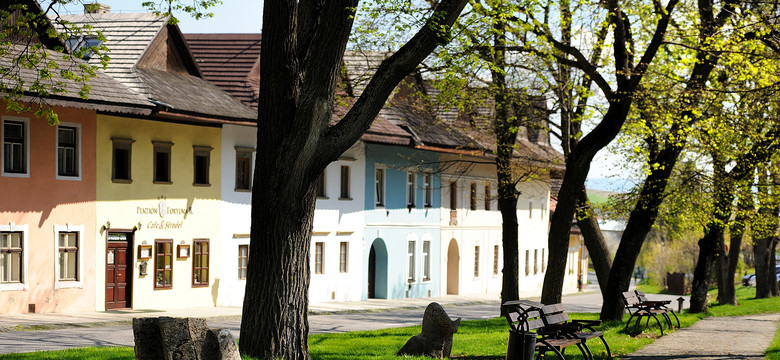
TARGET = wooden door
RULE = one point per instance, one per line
(119, 288)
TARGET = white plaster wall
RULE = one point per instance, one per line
(236, 214)
(340, 220)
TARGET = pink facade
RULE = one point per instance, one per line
(47, 212)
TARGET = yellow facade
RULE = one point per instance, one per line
(178, 211)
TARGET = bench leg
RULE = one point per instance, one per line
(550, 347)
(609, 352)
(585, 350)
(660, 326)
(676, 318)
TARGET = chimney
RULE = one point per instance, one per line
(96, 8)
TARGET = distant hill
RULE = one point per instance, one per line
(609, 184)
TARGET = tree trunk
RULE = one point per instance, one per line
(711, 246)
(762, 254)
(775, 286)
(594, 241)
(577, 168)
(727, 293)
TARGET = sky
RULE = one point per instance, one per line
(232, 16)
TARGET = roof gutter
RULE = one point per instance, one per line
(479, 153)
(201, 119)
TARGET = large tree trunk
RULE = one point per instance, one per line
(577, 168)
(594, 241)
(775, 286)
(303, 47)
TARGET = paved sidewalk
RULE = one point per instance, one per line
(14, 322)
(715, 338)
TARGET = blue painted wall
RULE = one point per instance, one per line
(393, 225)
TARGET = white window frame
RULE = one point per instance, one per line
(426, 238)
(477, 265)
(411, 259)
(377, 203)
(26, 122)
(411, 189)
(24, 229)
(79, 152)
(67, 284)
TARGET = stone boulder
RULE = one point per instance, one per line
(167, 338)
(435, 340)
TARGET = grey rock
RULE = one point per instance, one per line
(183, 338)
(148, 343)
(220, 344)
(435, 340)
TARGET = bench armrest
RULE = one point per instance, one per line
(567, 327)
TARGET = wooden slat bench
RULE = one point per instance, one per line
(659, 305)
(637, 310)
(554, 334)
(556, 318)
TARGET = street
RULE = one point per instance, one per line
(26, 341)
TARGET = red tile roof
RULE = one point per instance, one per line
(230, 61)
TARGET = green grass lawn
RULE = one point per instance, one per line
(477, 340)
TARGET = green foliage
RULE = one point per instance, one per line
(198, 9)
(773, 352)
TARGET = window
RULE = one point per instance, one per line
(476, 261)
(81, 46)
(163, 264)
(11, 257)
(243, 261)
(426, 253)
(379, 187)
(411, 190)
(530, 209)
(244, 168)
(536, 264)
(343, 252)
(15, 147)
(67, 151)
(162, 162)
(344, 182)
(473, 197)
(453, 195)
(200, 262)
(495, 259)
(201, 157)
(122, 160)
(318, 254)
(543, 260)
(543, 208)
(68, 256)
(488, 197)
(428, 183)
(321, 185)
(527, 264)
(410, 260)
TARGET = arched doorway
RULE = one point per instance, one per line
(377, 270)
(453, 267)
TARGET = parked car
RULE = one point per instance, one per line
(750, 279)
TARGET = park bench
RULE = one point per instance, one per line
(552, 327)
(638, 310)
(659, 305)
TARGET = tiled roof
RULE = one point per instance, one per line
(229, 61)
(190, 94)
(128, 35)
(104, 90)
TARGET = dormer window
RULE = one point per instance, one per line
(83, 46)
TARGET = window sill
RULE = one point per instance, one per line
(243, 190)
(122, 181)
(69, 177)
(200, 285)
(162, 182)
(322, 198)
(13, 287)
(16, 175)
(68, 284)
(201, 185)
(170, 287)
(346, 198)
